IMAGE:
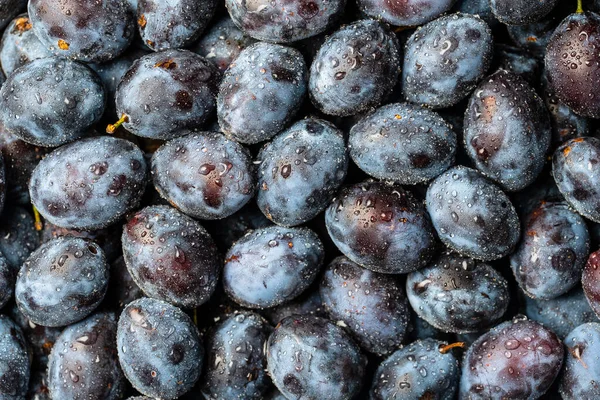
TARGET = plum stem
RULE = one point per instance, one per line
(38, 219)
(111, 128)
(446, 348)
(579, 7)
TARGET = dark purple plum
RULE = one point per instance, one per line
(405, 13)
(576, 170)
(308, 303)
(590, 280)
(521, 12)
(18, 236)
(458, 294)
(14, 361)
(170, 256)
(403, 142)
(561, 314)
(355, 69)
(472, 215)
(20, 45)
(83, 363)
(62, 282)
(422, 370)
(312, 358)
(554, 248)
(91, 31)
(159, 347)
(272, 265)
(261, 92)
(205, 175)
(173, 24)
(222, 43)
(8, 276)
(163, 94)
(371, 306)
(382, 227)
(300, 171)
(51, 101)
(235, 358)
(286, 21)
(517, 359)
(122, 289)
(573, 65)
(89, 184)
(581, 371)
(446, 59)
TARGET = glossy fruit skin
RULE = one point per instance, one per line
(83, 30)
(83, 363)
(103, 177)
(553, 251)
(284, 22)
(272, 265)
(204, 174)
(590, 280)
(417, 371)
(355, 69)
(458, 294)
(261, 92)
(382, 227)
(7, 281)
(517, 359)
(336, 364)
(407, 13)
(520, 12)
(20, 45)
(507, 131)
(170, 256)
(165, 93)
(402, 142)
(561, 314)
(579, 378)
(371, 306)
(235, 366)
(310, 160)
(14, 361)
(222, 43)
(471, 215)
(445, 59)
(308, 303)
(62, 282)
(159, 347)
(72, 96)
(572, 64)
(173, 24)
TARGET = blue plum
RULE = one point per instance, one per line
(471, 215)
(173, 24)
(421, 370)
(458, 294)
(18, 237)
(272, 265)
(90, 31)
(403, 142)
(62, 282)
(477, 7)
(371, 306)
(520, 12)
(576, 170)
(163, 94)
(309, 159)
(14, 361)
(553, 251)
(89, 184)
(170, 256)
(235, 358)
(159, 348)
(83, 363)
(51, 101)
(205, 175)
(507, 130)
(311, 358)
(581, 371)
(355, 69)
(285, 21)
(446, 59)
(20, 45)
(517, 359)
(261, 92)
(405, 13)
(381, 227)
